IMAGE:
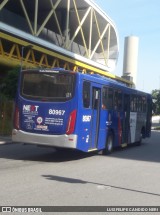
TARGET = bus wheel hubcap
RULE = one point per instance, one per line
(110, 144)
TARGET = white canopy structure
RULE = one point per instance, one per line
(77, 26)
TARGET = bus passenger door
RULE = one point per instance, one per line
(96, 107)
(126, 125)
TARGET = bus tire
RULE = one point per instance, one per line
(139, 142)
(109, 145)
(140, 138)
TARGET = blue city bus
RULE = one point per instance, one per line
(87, 112)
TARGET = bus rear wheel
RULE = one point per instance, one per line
(141, 137)
(139, 142)
(109, 145)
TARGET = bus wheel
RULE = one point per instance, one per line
(140, 140)
(109, 145)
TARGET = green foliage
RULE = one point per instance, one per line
(9, 84)
(156, 101)
(8, 88)
(6, 117)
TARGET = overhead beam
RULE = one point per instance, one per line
(57, 58)
(35, 16)
(3, 4)
(49, 16)
(27, 17)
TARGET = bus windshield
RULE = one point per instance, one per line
(49, 86)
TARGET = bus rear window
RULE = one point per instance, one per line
(47, 86)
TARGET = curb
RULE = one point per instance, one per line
(5, 140)
(155, 130)
(5, 143)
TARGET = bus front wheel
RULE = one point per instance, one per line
(109, 145)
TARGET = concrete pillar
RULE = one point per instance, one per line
(130, 60)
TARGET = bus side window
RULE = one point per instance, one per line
(117, 100)
(134, 103)
(110, 99)
(86, 94)
(126, 103)
(144, 104)
(104, 98)
(140, 103)
(107, 98)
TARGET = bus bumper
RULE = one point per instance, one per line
(62, 141)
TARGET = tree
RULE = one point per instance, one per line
(9, 84)
(156, 101)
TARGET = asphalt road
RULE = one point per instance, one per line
(33, 176)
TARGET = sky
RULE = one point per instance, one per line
(139, 18)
